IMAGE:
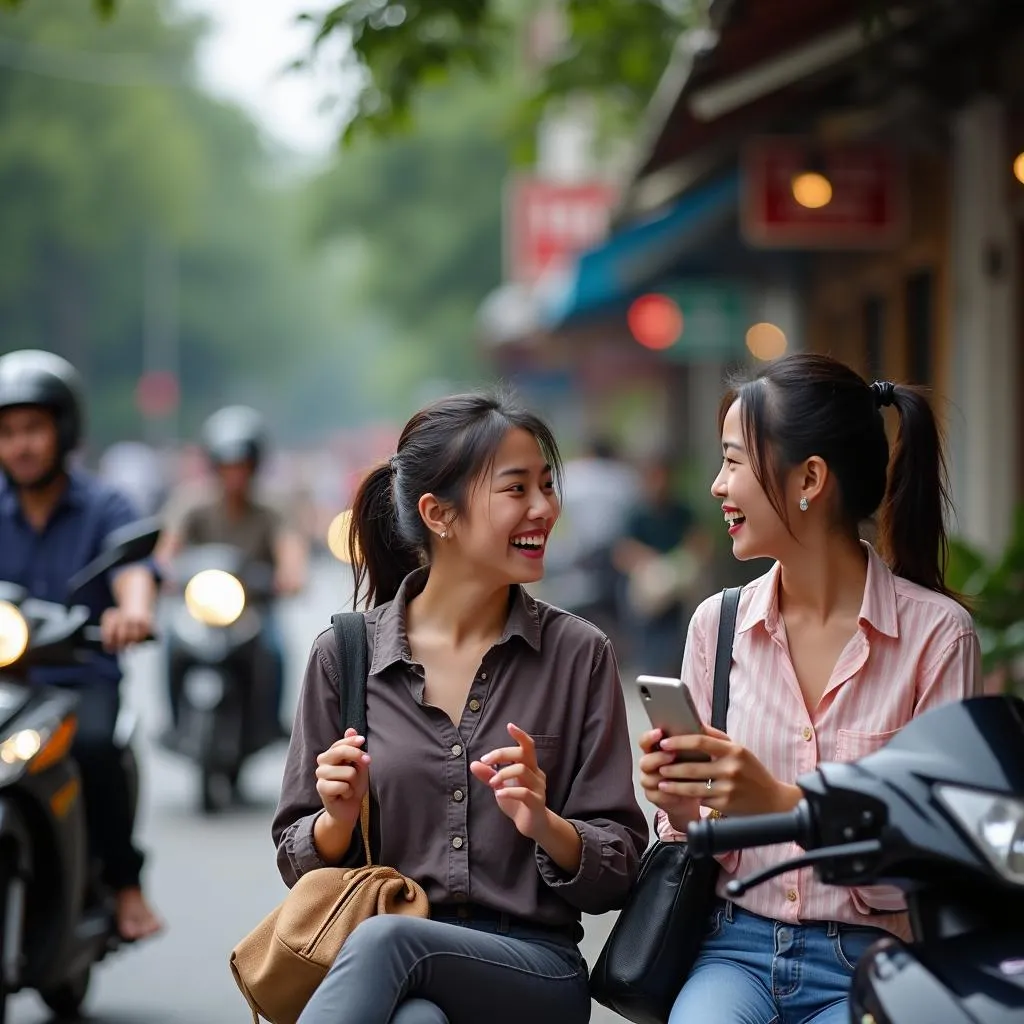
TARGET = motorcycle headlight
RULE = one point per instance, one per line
(13, 634)
(215, 597)
(995, 824)
(36, 750)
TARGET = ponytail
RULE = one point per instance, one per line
(803, 404)
(379, 558)
(912, 521)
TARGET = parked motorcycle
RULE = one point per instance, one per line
(56, 916)
(221, 680)
(939, 813)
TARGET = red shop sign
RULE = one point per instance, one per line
(547, 223)
(868, 205)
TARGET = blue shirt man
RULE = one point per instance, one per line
(53, 520)
(42, 561)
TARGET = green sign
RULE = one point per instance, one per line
(716, 317)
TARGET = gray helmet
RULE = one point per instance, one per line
(235, 434)
(34, 377)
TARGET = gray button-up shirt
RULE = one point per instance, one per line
(552, 674)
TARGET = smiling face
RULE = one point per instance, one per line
(756, 528)
(511, 509)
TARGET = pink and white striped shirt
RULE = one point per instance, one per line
(914, 649)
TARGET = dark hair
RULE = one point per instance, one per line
(803, 405)
(442, 451)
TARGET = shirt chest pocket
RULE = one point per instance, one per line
(547, 746)
(852, 745)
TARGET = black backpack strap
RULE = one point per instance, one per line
(353, 667)
(350, 638)
(723, 656)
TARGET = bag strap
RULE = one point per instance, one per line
(353, 668)
(723, 656)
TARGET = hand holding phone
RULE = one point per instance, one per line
(670, 708)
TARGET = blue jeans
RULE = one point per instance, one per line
(753, 970)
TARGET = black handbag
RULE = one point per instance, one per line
(659, 932)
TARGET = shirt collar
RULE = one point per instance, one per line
(877, 609)
(391, 637)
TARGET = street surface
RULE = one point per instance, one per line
(212, 879)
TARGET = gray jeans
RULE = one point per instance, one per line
(407, 970)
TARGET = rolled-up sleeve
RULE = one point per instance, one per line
(315, 728)
(601, 804)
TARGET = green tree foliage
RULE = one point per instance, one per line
(108, 150)
(614, 50)
(420, 214)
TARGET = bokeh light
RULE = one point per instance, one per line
(1018, 167)
(812, 190)
(655, 321)
(338, 534)
(766, 341)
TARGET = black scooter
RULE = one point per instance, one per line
(939, 813)
(56, 916)
(221, 681)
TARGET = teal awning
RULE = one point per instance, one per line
(631, 259)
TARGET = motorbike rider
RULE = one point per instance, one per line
(235, 441)
(54, 518)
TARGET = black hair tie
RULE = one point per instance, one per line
(884, 392)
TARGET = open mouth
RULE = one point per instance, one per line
(531, 545)
(734, 519)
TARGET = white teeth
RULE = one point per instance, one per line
(528, 542)
(733, 517)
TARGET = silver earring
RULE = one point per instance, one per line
(804, 504)
(444, 535)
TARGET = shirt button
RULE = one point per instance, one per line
(791, 896)
(458, 796)
(474, 705)
(458, 843)
(483, 675)
(808, 733)
(456, 750)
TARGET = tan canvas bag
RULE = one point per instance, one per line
(280, 963)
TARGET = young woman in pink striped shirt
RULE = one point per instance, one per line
(836, 648)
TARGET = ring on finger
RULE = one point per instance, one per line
(709, 783)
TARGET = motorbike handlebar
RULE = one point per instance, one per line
(92, 636)
(719, 835)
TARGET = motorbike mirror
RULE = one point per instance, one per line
(131, 543)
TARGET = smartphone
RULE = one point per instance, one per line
(669, 705)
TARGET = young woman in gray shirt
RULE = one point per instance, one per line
(496, 751)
